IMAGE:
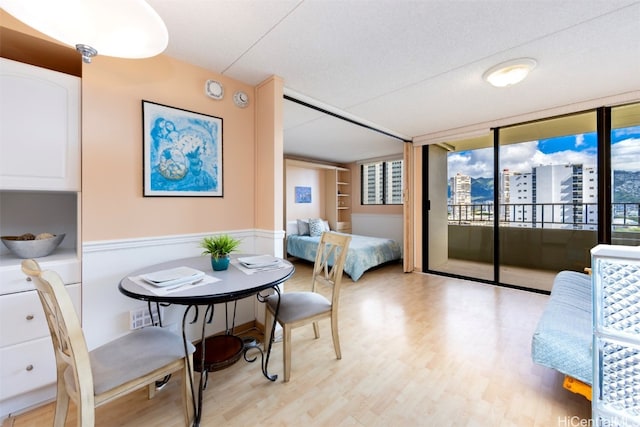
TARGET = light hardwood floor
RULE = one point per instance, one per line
(522, 277)
(417, 350)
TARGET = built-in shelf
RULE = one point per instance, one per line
(338, 188)
(59, 255)
(36, 212)
(337, 192)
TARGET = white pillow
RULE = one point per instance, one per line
(292, 227)
(303, 227)
(326, 225)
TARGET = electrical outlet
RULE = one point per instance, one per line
(139, 317)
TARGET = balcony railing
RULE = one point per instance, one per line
(582, 216)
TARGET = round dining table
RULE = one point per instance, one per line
(205, 291)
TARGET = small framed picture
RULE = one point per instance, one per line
(303, 195)
(182, 152)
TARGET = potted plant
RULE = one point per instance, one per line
(218, 248)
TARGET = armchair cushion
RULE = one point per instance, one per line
(132, 356)
(300, 305)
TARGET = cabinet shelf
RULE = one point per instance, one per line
(55, 212)
(59, 255)
(338, 197)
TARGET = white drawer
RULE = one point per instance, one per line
(27, 366)
(22, 318)
(12, 279)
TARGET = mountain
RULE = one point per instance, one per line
(626, 187)
(481, 190)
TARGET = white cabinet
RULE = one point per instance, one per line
(40, 131)
(39, 192)
(39, 160)
(26, 353)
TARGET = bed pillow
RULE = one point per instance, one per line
(326, 225)
(292, 227)
(316, 227)
(303, 227)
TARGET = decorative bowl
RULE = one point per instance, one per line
(32, 248)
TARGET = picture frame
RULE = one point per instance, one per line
(303, 194)
(182, 152)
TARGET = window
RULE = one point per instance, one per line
(625, 175)
(544, 188)
(382, 182)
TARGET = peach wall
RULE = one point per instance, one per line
(112, 182)
(269, 165)
(306, 177)
(113, 206)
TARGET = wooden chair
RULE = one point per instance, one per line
(301, 308)
(129, 363)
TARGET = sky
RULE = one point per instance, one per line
(574, 149)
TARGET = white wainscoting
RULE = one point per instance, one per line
(378, 225)
(105, 311)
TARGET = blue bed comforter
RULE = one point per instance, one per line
(364, 252)
(563, 337)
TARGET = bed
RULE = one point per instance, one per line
(364, 252)
(563, 338)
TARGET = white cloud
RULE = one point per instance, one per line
(568, 157)
(525, 156)
(625, 155)
(519, 157)
(475, 163)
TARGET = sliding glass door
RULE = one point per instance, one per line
(461, 218)
(520, 203)
(625, 176)
(549, 199)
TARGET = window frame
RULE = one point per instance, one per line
(384, 165)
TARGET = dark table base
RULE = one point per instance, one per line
(221, 351)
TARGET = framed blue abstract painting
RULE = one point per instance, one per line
(303, 195)
(182, 152)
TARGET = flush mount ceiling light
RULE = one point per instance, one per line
(120, 28)
(510, 72)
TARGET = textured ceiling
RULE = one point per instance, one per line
(409, 67)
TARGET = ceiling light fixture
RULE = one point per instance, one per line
(119, 28)
(510, 72)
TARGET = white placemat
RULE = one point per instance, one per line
(170, 289)
(173, 276)
(259, 261)
(280, 265)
